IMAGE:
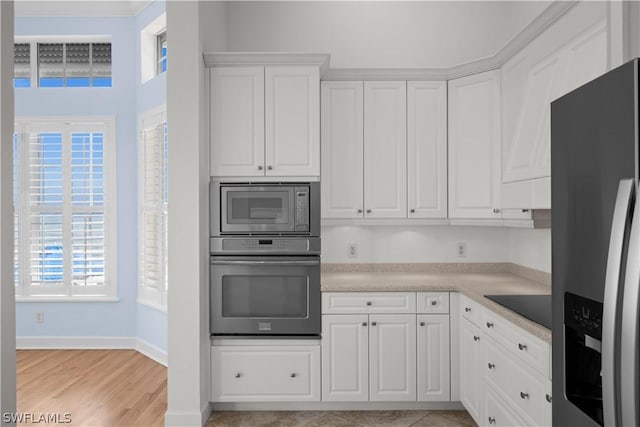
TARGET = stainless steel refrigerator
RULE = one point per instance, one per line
(596, 251)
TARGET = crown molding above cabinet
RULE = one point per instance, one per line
(228, 59)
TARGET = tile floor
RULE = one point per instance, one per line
(340, 419)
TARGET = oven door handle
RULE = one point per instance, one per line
(264, 262)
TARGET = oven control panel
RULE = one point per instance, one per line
(238, 245)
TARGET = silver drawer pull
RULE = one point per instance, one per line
(434, 302)
(522, 346)
(374, 323)
(368, 210)
(548, 397)
(492, 420)
(476, 338)
(238, 375)
(495, 210)
(467, 309)
(489, 324)
(524, 395)
(491, 365)
(359, 210)
(364, 323)
(293, 375)
(368, 302)
(269, 167)
(422, 323)
(412, 211)
(259, 167)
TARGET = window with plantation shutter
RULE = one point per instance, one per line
(153, 198)
(64, 203)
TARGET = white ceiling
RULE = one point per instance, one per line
(79, 7)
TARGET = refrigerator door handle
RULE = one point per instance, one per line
(630, 329)
(619, 228)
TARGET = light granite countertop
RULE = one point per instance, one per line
(473, 285)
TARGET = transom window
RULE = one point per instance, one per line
(64, 205)
(62, 64)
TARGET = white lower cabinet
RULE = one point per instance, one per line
(497, 412)
(265, 373)
(471, 369)
(380, 346)
(433, 367)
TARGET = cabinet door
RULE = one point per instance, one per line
(342, 150)
(471, 388)
(474, 146)
(237, 121)
(498, 413)
(292, 121)
(385, 149)
(392, 357)
(345, 355)
(433, 357)
(427, 149)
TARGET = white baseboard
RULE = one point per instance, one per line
(183, 419)
(112, 343)
(338, 406)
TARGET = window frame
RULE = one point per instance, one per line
(68, 126)
(155, 297)
(33, 42)
(161, 37)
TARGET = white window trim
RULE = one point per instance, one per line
(151, 297)
(148, 47)
(23, 291)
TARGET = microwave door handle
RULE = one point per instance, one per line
(619, 226)
(237, 262)
(630, 330)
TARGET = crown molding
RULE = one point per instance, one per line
(75, 8)
(222, 59)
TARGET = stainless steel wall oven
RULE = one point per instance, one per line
(265, 258)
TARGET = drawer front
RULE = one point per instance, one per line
(531, 350)
(265, 374)
(519, 386)
(498, 413)
(471, 310)
(432, 302)
(368, 302)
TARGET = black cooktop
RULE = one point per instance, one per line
(533, 307)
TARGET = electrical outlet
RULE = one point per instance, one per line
(352, 250)
(40, 317)
(461, 249)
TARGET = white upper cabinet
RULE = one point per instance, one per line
(385, 149)
(292, 121)
(427, 149)
(237, 121)
(570, 53)
(474, 146)
(342, 150)
(265, 121)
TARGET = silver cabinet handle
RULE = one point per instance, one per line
(489, 324)
(260, 167)
(525, 210)
(476, 338)
(492, 420)
(467, 309)
(548, 397)
(491, 365)
(422, 323)
(293, 375)
(374, 323)
(412, 211)
(434, 302)
(522, 346)
(368, 210)
(359, 210)
(524, 395)
(368, 302)
(364, 323)
(238, 375)
(269, 167)
(495, 210)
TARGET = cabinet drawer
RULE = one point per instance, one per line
(498, 413)
(521, 387)
(471, 310)
(368, 302)
(265, 373)
(432, 302)
(531, 350)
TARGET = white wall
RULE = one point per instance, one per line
(531, 248)
(415, 244)
(385, 34)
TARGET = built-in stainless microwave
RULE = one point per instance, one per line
(265, 208)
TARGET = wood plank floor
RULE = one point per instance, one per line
(96, 387)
